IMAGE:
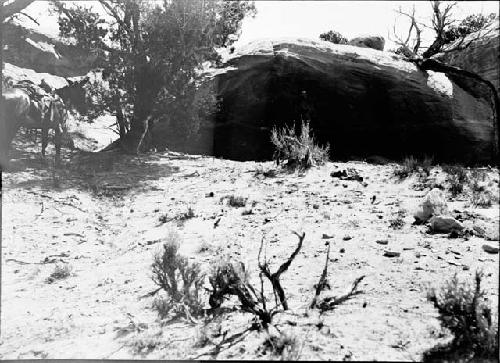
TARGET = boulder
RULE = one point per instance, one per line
(434, 203)
(361, 101)
(444, 224)
(374, 42)
(488, 231)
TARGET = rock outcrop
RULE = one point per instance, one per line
(374, 42)
(480, 57)
(28, 49)
(361, 101)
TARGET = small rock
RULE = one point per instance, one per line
(490, 249)
(392, 254)
(347, 238)
(209, 195)
(326, 236)
(445, 224)
(342, 250)
(465, 267)
(315, 206)
(325, 330)
(382, 242)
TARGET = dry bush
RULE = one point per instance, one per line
(60, 272)
(411, 165)
(235, 201)
(462, 309)
(481, 196)
(298, 151)
(457, 177)
(284, 346)
(180, 279)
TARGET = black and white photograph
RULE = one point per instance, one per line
(250, 180)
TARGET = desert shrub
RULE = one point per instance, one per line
(186, 215)
(298, 151)
(236, 201)
(411, 165)
(333, 37)
(480, 196)
(180, 279)
(285, 346)
(457, 177)
(60, 272)
(462, 309)
(145, 343)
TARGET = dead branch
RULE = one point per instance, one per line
(274, 278)
(331, 302)
(322, 280)
(413, 26)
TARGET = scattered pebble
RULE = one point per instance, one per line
(342, 250)
(382, 242)
(392, 254)
(347, 238)
(326, 236)
(490, 249)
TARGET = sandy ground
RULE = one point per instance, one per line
(100, 215)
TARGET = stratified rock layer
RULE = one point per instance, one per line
(481, 56)
(361, 101)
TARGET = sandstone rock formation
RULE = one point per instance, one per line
(374, 42)
(362, 101)
(28, 49)
(480, 57)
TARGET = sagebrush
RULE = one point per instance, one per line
(463, 310)
(298, 151)
(181, 281)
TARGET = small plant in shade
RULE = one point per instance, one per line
(285, 346)
(298, 151)
(179, 279)
(60, 272)
(463, 310)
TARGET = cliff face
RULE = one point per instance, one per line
(361, 101)
(482, 56)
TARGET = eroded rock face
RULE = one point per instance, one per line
(28, 49)
(480, 57)
(361, 101)
(374, 42)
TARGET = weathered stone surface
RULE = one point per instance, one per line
(374, 42)
(434, 203)
(480, 57)
(488, 231)
(361, 101)
(444, 224)
(29, 49)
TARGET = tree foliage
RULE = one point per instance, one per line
(334, 37)
(151, 54)
(448, 36)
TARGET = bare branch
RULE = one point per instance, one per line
(322, 280)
